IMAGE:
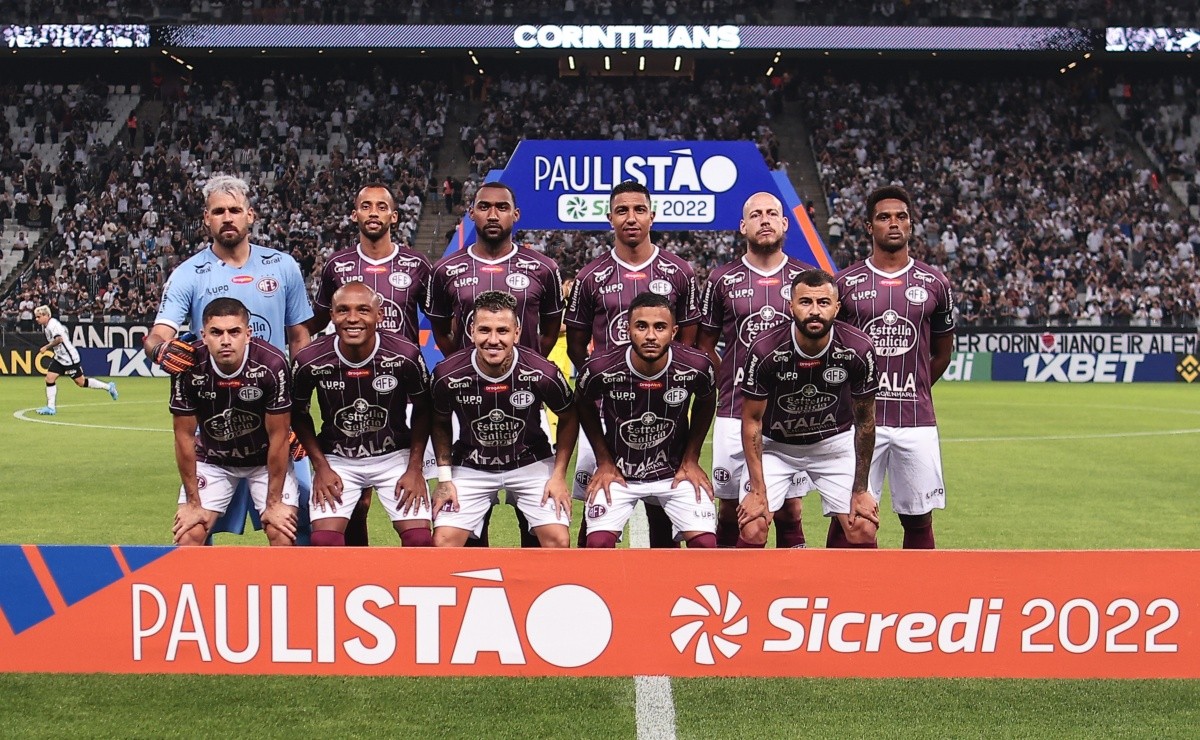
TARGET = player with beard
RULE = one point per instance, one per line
(649, 444)
(267, 282)
(494, 262)
(741, 300)
(496, 391)
(365, 381)
(598, 313)
(907, 309)
(231, 412)
(397, 274)
(807, 382)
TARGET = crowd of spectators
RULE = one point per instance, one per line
(1032, 212)
(305, 143)
(1078, 13)
(1162, 113)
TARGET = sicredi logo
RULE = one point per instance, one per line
(683, 188)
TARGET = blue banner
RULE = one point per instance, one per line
(1106, 367)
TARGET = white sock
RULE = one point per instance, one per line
(93, 383)
(51, 394)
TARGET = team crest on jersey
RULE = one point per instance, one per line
(603, 275)
(250, 393)
(661, 287)
(835, 375)
(916, 294)
(733, 278)
(582, 478)
(400, 280)
(675, 396)
(385, 383)
(517, 281)
(785, 290)
(854, 280)
(268, 286)
(521, 399)
(721, 475)
(595, 511)
(201, 481)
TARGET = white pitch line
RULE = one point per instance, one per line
(1068, 437)
(654, 699)
(20, 416)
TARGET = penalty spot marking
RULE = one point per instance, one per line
(655, 704)
(20, 415)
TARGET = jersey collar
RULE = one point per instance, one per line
(498, 260)
(634, 268)
(337, 348)
(804, 355)
(485, 376)
(235, 373)
(757, 271)
(883, 274)
(385, 260)
(632, 369)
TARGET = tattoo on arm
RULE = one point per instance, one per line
(864, 440)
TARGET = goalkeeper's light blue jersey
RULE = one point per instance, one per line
(269, 284)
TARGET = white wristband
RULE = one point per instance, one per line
(445, 474)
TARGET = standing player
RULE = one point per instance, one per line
(494, 262)
(741, 300)
(907, 309)
(65, 362)
(497, 390)
(657, 399)
(397, 274)
(266, 281)
(599, 310)
(364, 379)
(231, 412)
(806, 383)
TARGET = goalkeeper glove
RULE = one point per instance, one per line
(176, 356)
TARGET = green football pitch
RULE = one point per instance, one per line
(1027, 466)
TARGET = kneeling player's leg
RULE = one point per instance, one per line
(525, 488)
(607, 518)
(918, 531)
(729, 463)
(789, 527)
(411, 525)
(329, 521)
(216, 486)
(689, 511)
(831, 465)
(258, 480)
(356, 529)
(779, 469)
(477, 492)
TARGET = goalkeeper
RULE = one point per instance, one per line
(267, 281)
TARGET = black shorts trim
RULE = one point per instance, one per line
(71, 371)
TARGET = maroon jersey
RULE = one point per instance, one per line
(606, 286)
(646, 419)
(530, 276)
(401, 280)
(363, 404)
(900, 312)
(231, 410)
(809, 398)
(741, 302)
(500, 419)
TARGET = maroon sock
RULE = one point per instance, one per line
(706, 540)
(836, 537)
(582, 541)
(727, 533)
(744, 545)
(862, 546)
(661, 534)
(418, 537)
(327, 538)
(789, 534)
(601, 539)
(918, 537)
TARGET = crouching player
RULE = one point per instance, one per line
(231, 413)
(497, 391)
(648, 448)
(807, 382)
(364, 380)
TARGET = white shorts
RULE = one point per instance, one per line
(478, 490)
(729, 462)
(911, 460)
(217, 484)
(379, 472)
(686, 513)
(830, 470)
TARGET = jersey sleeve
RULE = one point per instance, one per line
(176, 301)
(756, 370)
(280, 398)
(712, 308)
(555, 391)
(581, 308)
(942, 319)
(302, 385)
(54, 328)
(586, 389)
(325, 288)
(424, 279)
(298, 308)
(706, 385)
(552, 300)
(687, 305)
(181, 404)
(416, 375)
(866, 376)
(441, 396)
(438, 302)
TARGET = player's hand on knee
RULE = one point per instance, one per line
(175, 356)
(556, 490)
(412, 493)
(445, 498)
(605, 476)
(282, 517)
(863, 505)
(186, 517)
(327, 488)
(690, 472)
(753, 506)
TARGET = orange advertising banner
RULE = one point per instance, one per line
(391, 611)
